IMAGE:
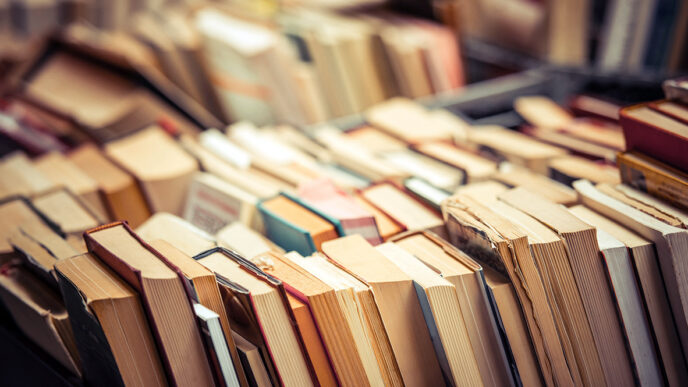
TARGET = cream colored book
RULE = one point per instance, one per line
(468, 279)
(245, 241)
(161, 167)
(252, 182)
(411, 122)
(338, 321)
(543, 112)
(403, 208)
(514, 147)
(551, 257)
(650, 282)
(484, 190)
(176, 231)
(476, 168)
(18, 176)
(591, 279)
(495, 241)
(671, 244)
(65, 173)
(398, 305)
(348, 154)
(68, 211)
(440, 306)
(622, 279)
(570, 168)
(552, 190)
(369, 315)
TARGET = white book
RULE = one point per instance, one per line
(220, 145)
(213, 203)
(211, 330)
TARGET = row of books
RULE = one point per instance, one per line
(615, 36)
(412, 250)
(296, 66)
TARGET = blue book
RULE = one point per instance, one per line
(286, 219)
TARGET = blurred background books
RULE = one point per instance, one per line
(257, 193)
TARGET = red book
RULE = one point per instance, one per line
(656, 135)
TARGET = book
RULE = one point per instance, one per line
(483, 190)
(272, 156)
(252, 362)
(543, 112)
(654, 134)
(552, 258)
(215, 340)
(656, 302)
(641, 205)
(111, 332)
(121, 195)
(552, 190)
(206, 292)
(258, 310)
(40, 314)
(475, 167)
(426, 192)
(656, 178)
(438, 301)
(403, 118)
(402, 208)
(129, 95)
(312, 342)
(509, 313)
(671, 212)
(507, 145)
(386, 226)
(325, 196)
(398, 305)
(174, 230)
(395, 153)
(495, 241)
(341, 329)
(568, 169)
(628, 298)
(63, 172)
(243, 58)
(347, 153)
(40, 248)
(468, 279)
(575, 145)
(212, 204)
(162, 169)
(245, 241)
(343, 283)
(253, 182)
(20, 177)
(165, 299)
(295, 227)
(667, 240)
(19, 211)
(69, 212)
(591, 278)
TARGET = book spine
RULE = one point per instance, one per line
(98, 363)
(672, 190)
(434, 334)
(654, 142)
